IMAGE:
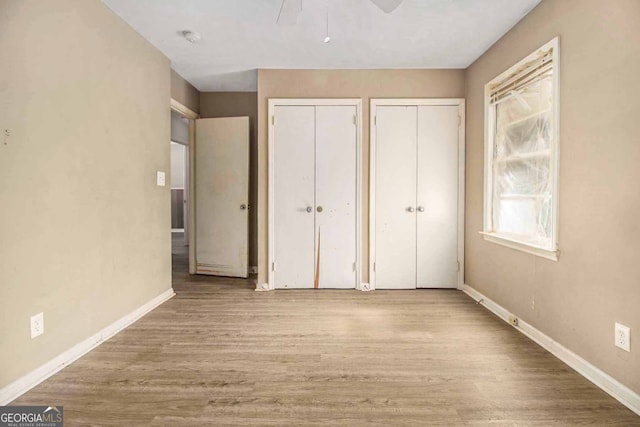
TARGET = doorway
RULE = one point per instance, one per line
(179, 194)
(214, 193)
(181, 179)
(179, 227)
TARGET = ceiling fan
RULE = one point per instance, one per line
(290, 9)
(387, 6)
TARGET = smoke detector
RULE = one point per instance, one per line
(191, 36)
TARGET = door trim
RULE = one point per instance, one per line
(190, 184)
(410, 102)
(275, 102)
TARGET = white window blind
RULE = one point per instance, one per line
(534, 70)
(522, 122)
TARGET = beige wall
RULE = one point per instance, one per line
(84, 230)
(236, 104)
(363, 84)
(596, 282)
(183, 92)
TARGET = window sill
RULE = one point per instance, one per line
(519, 246)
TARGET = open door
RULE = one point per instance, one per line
(221, 234)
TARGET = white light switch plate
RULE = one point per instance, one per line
(37, 325)
(160, 178)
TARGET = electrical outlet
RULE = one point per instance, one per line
(623, 337)
(160, 178)
(513, 320)
(37, 325)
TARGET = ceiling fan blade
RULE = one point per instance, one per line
(387, 6)
(289, 12)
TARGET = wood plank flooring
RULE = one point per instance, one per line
(219, 353)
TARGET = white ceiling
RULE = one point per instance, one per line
(240, 36)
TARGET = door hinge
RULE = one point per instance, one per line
(458, 265)
(374, 267)
(273, 266)
(355, 119)
(273, 120)
(354, 266)
(375, 120)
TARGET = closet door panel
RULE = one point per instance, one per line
(395, 196)
(294, 196)
(437, 253)
(336, 151)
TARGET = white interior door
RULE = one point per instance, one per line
(221, 196)
(336, 196)
(437, 197)
(395, 197)
(294, 196)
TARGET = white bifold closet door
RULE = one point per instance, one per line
(396, 184)
(336, 144)
(416, 197)
(294, 196)
(315, 149)
(437, 197)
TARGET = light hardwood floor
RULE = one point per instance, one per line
(219, 353)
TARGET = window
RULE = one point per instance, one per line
(521, 148)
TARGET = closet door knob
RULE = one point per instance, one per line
(319, 208)
(411, 209)
(420, 209)
(243, 206)
(309, 209)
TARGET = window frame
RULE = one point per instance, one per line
(488, 233)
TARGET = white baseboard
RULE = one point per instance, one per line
(20, 386)
(606, 382)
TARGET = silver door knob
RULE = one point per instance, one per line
(420, 209)
(411, 209)
(243, 206)
(319, 208)
(309, 209)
